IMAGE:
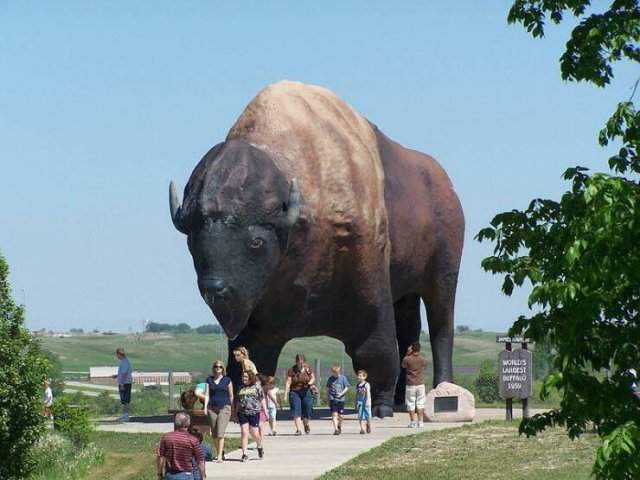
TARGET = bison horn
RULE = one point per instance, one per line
(293, 208)
(176, 209)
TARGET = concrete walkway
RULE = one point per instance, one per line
(288, 456)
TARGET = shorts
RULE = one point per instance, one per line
(364, 411)
(272, 411)
(252, 420)
(218, 420)
(301, 403)
(336, 407)
(125, 393)
(415, 397)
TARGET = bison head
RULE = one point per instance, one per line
(237, 213)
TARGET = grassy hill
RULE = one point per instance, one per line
(195, 353)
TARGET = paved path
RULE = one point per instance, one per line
(306, 457)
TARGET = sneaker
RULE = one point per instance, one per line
(298, 433)
(260, 452)
(412, 425)
(420, 424)
(274, 433)
(368, 428)
(245, 457)
(307, 429)
(336, 432)
(361, 432)
(339, 428)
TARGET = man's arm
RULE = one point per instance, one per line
(199, 454)
(160, 464)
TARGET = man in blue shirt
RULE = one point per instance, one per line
(125, 379)
(337, 387)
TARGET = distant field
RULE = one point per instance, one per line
(195, 353)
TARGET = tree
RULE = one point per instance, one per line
(209, 328)
(486, 382)
(22, 376)
(580, 254)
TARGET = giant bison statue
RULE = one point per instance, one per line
(307, 220)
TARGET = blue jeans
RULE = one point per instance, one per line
(301, 402)
(179, 476)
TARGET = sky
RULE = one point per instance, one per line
(103, 103)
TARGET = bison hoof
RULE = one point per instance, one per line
(382, 411)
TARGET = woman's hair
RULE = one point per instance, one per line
(251, 375)
(188, 399)
(196, 433)
(300, 357)
(264, 380)
(218, 362)
(243, 351)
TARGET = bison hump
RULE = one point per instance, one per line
(314, 136)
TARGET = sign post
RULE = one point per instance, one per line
(515, 372)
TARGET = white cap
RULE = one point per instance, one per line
(633, 372)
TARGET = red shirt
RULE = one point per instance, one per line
(178, 448)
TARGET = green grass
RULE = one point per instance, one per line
(195, 353)
(132, 456)
(490, 450)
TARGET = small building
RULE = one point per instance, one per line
(105, 375)
(160, 378)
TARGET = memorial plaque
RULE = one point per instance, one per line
(515, 370)
(445, 404)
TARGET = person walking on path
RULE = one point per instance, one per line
(271, 392)
(48, 401)
(250, 403)
(218, 401)
(363, 401)
(414, 364)
(300, 377)
(177, 450)
(241, 354)
(125, 379)
(337, 387)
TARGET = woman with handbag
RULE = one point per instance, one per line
(300, 380)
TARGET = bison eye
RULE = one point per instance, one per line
(257, 242)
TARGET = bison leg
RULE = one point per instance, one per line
(440, 300)
(407, 315)
(377, 353)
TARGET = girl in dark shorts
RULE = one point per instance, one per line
(251, 402)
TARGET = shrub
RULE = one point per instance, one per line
(22, 375)
(486, 384)
(58, 458)
(72, 421)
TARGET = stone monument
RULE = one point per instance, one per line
(450, 403)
